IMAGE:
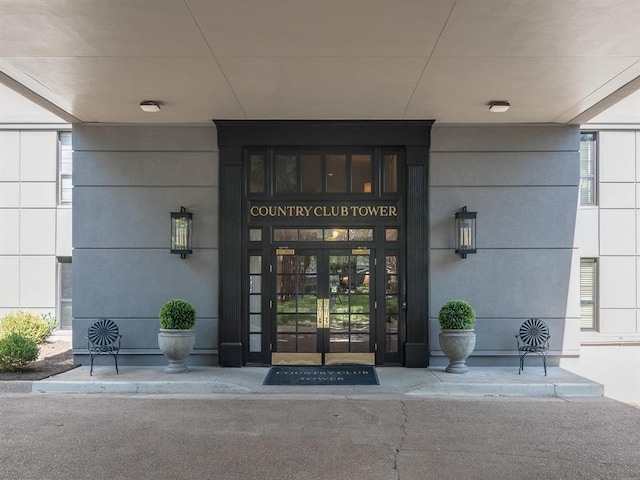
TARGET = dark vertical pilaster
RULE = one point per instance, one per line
(417, 345)
(230, 349)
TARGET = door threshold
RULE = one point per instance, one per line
(308, 359)
(349, 359)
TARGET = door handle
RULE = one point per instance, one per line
(322, 313)
(326, 313)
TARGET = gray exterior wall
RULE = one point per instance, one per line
(34, 229)
(127, 179)
(609, 233)
(523, 182)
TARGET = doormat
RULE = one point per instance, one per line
(345, 375)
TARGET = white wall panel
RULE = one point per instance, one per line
(617, 282)
(38, 156)
(9, 156)
(9, 194)
(617, 232)
(617, 195)
(638, 284)
(9, 232)
(38, 232)
(38, 194)
(638, 155)
(64, 226)
(587, 231)
(10, 281)
(617, 156)
(618, 321)
(37, 282)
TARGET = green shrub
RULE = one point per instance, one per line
(51, 320)
(36, 327)
(177, 315)
(16, 351)
(457, 315)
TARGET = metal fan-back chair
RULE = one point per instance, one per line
(533, 337)
(103, 337)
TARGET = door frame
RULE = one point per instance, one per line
(324, 295)
(413, 137)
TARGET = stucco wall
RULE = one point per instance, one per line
(34, 230)
(523, 182)
(127, 179)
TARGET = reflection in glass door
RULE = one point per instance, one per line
(324, 308)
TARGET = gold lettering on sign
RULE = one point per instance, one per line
(323, 211)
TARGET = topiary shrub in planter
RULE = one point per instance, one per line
(176, 339)
(457, 337)
(16, 351)
(457, 315)
(36, 327)
(177, 314)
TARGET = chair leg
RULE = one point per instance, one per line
(91, 371)
(521, 364)
(116, 359)
(544, 363)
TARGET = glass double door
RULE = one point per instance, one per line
(324, 307)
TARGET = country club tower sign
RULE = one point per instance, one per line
(323, 211)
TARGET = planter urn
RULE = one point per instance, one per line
(457, 345)
(176, 345)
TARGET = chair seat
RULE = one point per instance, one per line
(107, 348)
(532, 348)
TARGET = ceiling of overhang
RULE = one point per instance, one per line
(554, 61)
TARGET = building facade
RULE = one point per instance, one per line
(607, 233)
(359, 213)
(35, 210)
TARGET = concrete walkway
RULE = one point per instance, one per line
(394, 382)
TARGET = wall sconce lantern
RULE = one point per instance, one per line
(181, 223)
(465, 232)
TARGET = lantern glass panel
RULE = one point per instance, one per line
(465, 232)
(181, 227)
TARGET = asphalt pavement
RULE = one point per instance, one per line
(262, 436)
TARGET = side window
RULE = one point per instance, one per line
(588, 293)
(588, 164)
(65, 168)
(65, 293)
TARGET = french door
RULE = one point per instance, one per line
(324, 307)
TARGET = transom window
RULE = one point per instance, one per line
(323, 234)
(277, 173)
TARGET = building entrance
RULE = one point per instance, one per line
(324, 308)
(323, 242)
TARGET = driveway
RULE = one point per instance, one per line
(49, 436)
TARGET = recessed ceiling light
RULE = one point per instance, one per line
(150, 106)
(499, 106)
